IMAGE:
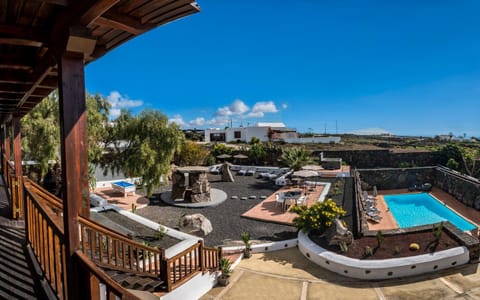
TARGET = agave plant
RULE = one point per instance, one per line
(297, 157)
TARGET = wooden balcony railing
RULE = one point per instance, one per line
(14, 184)
(46, 237)
(51, 200)
(118, 252)
(210, 258)
(101, 246)
(95, 278)
(188, 263)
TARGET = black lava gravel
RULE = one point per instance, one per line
(142, 232)
(226, 218)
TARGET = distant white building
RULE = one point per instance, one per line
(263, 131)
(274, 132)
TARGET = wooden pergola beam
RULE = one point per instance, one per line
(16, 76)
(115, 23)
(21, 36)
(96, 10)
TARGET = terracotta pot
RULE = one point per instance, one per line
(223, 280)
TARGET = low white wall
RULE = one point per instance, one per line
(265, 247)
(316, 139)
(193, 288)
(108, 183)
(324, 193)
(381, 269)
(186, 239)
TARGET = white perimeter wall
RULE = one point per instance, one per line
(381, 269)
(318, 139)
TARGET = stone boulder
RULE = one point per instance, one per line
(196, 224)
(338, 233)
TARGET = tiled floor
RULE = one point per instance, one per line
(118, 199)
(268, 210)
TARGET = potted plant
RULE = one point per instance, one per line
(226, 269)
(248, 246)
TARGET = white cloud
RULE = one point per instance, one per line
(177, 119)
(119, 101)
(371, 131)
(238, 107)
(262, 107)
(218, 121)
(197, 122)
(284, 106)
(115, 113)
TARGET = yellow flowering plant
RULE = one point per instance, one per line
(318, 217)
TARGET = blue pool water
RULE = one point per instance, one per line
(422, 209)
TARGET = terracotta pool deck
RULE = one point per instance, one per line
(388, 221)
(117, 198)
(271, 211)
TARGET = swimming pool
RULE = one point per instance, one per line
(421, 209)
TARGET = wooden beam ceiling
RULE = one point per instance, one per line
(34, 33)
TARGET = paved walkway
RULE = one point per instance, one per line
(287, 274)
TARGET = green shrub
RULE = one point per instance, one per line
(379, 236)
(318, 217)
(245, 236)
(343, 247)
(225, 266)
(396, 250)
(368, 251)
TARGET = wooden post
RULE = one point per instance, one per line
(2, 144)
(73, 129)
(6, 139)
(17, 158)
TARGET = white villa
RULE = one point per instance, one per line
(273, 131)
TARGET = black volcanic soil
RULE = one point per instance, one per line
(393, 246)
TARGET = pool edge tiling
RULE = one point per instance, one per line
(410, 210)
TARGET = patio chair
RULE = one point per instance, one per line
(302, 200)
(287, 203)
(250, 172)
(278, 200)
(241, 172)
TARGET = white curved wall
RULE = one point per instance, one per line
(381, 269)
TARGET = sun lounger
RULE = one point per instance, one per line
(242, 172)
(375, 219)
(250, 172)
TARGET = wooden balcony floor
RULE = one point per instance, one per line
(16, 275)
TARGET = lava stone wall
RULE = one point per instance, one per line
(382, 158)
(396, 178)
(463, 188)
(466, 190)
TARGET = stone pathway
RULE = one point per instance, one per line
(287, 274)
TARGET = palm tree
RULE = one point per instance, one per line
(296, 157)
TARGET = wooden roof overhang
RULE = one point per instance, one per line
(34, 32)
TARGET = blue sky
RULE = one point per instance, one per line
(406, 67)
